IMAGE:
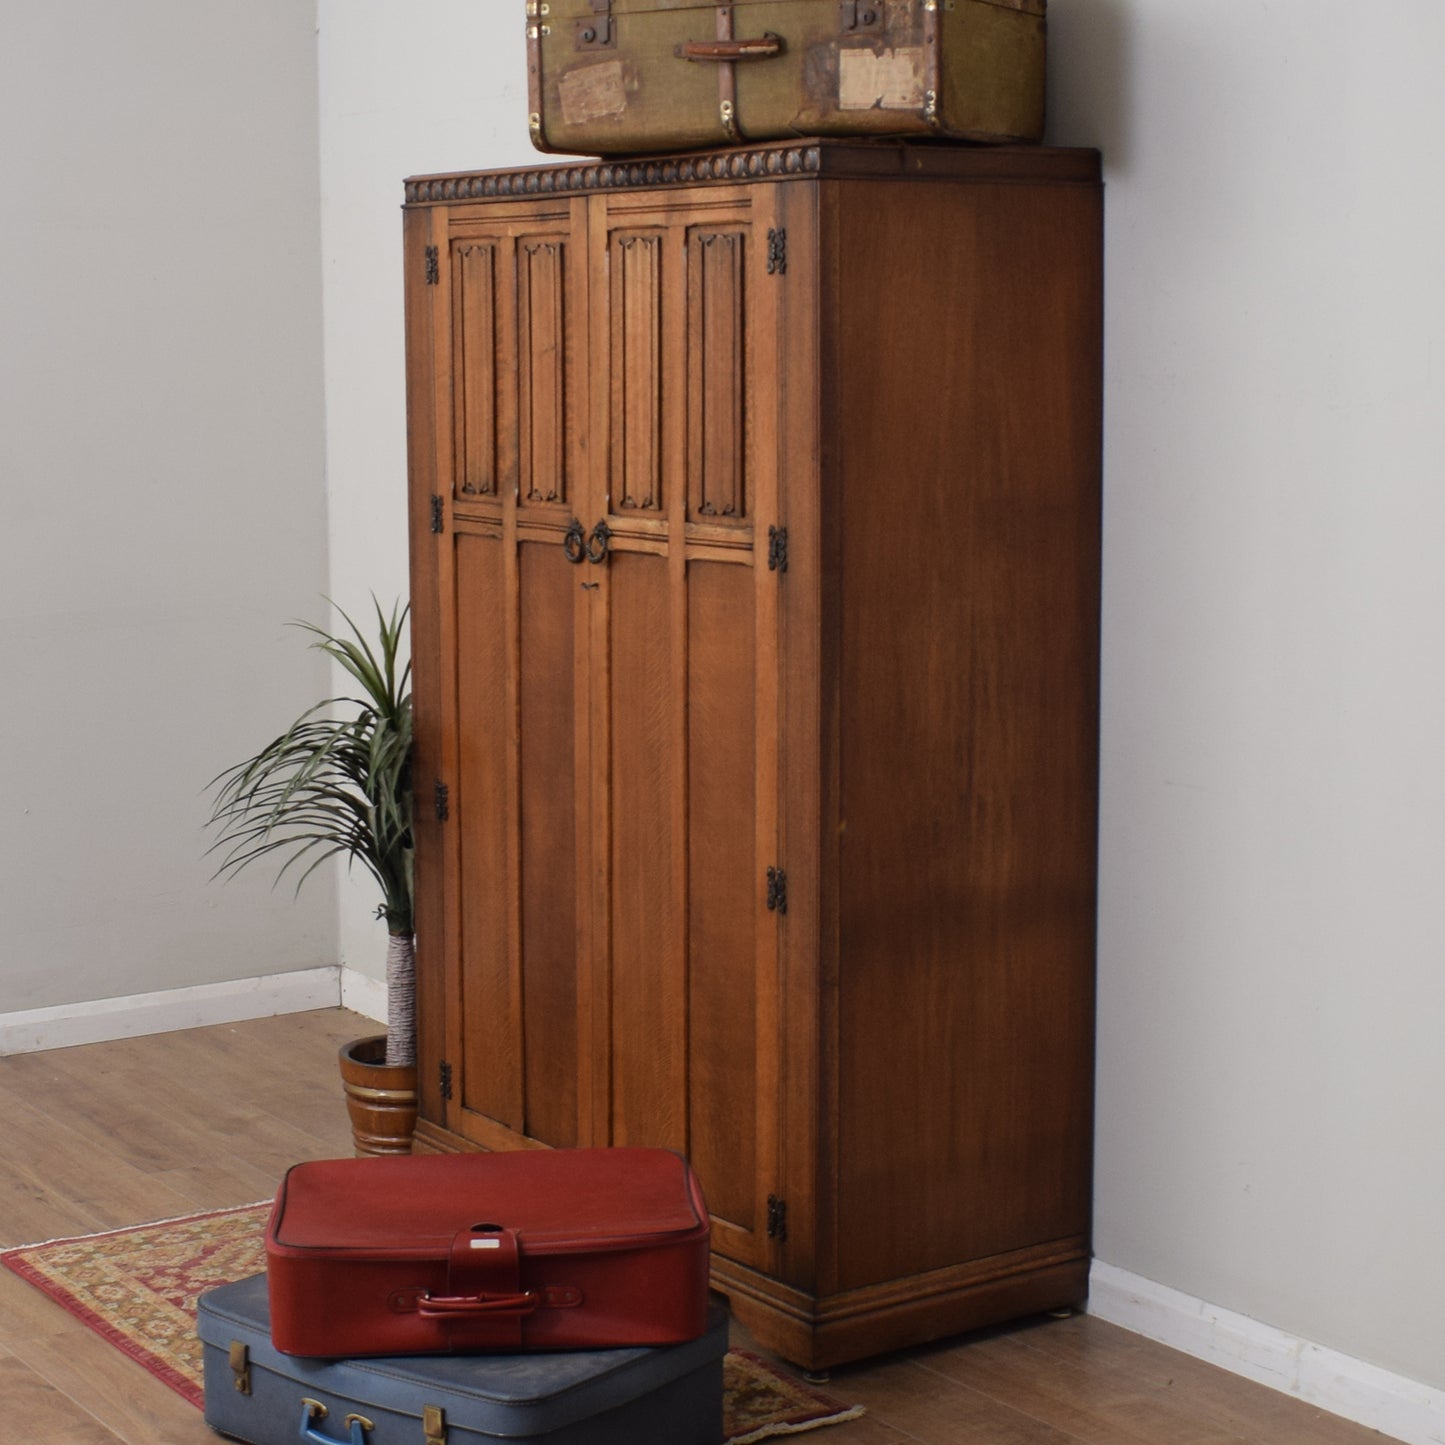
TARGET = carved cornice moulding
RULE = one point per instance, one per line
(732, 165)
(821, 157)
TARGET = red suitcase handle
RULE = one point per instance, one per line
(443, 1306)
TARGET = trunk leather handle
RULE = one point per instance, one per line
(763, 48)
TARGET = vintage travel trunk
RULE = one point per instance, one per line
(670, 1393)
(563, 1249)
(618, 77)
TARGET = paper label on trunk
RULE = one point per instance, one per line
(892, 80)
(593, 92)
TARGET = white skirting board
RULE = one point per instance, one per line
(364, 995)
(187, 1008)
(1397, 1407)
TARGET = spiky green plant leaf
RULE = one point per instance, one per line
(337, 781)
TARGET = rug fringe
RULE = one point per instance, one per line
(129, 1228)
(764, 1432)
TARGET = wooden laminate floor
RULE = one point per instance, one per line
(114, 1134)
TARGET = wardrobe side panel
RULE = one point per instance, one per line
(968, 457)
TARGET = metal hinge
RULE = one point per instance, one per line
(777, 549)
(437, 513)
(441, 799)
(433, 266)
(778, 251)
(444, 1079)
(777, 1219)
(777, 890)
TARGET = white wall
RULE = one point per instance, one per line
(161, 505)
(1271, 1102)
(404, 91)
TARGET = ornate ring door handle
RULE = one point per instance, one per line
(574, 543)
(597, 544)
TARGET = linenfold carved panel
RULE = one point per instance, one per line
(716, 374)
(475, 368)
(636, 343)
(542, 368)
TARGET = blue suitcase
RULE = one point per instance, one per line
(668, 1394)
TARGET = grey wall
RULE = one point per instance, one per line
(403, 91)
(1271, 1097)
(162, 508)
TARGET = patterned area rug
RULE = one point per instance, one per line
(138, 1288)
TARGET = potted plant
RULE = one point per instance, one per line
(338, 782)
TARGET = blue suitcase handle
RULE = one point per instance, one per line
(356, 1425)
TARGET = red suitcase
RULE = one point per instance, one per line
(539, 1249)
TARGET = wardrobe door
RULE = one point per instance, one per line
(684, 343)
(514, 674)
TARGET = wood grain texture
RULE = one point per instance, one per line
(804, 970)
(543, 366)
(636, 371)
(490, 1079)
(718, 381)
(1103, 1386)
(428, 650)
(36, 1410)
(545, 970)
(647, 987)
(474, 294)
(968, 584)
(723, 873)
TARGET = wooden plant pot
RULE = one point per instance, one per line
(380, 1097)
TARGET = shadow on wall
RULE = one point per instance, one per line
(1088, 73)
